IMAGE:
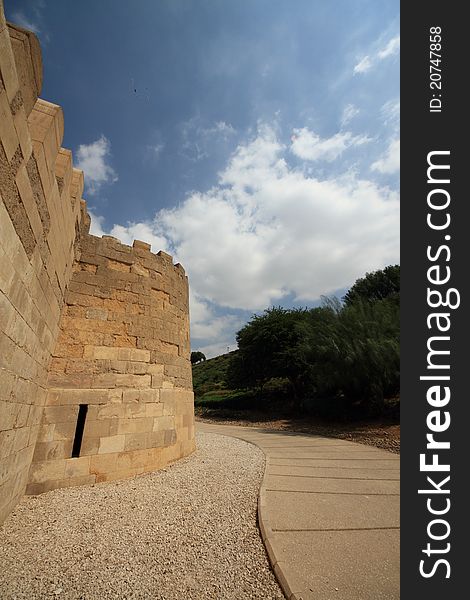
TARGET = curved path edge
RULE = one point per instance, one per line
(328, 513)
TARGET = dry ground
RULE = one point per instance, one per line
(381, 433)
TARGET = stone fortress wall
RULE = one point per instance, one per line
(95, 373)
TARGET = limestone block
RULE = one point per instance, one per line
(141, 245)
(149, 395)
(9, 413)
(60, 414)
(28, 63)
(7, 65)
(50, 451)
(46, 124)
(102, 463)
(178, 395)
(135, 425)
(139, 270)
(154, 409)
(90, 446)
(121, 411)
(76, 467)
(48, 470)
(7, 440)
(134, 354)
(155, 369)
(125, 366)
(110, 380)
(129, 462)
(22, 415)
(169, 407)
(63, 171)
(157, 381)
(100, 428)
(170, 437)
(163, 423)
(7, 467)
(46, 433)
(71, 380)
(33, 434)
(156, 439)
(136, 441)
(101, 314)
(110, 444)
(57, 397)
(77, 184)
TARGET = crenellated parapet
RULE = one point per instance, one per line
(95, 374)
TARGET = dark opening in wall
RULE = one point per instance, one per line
(77, 440)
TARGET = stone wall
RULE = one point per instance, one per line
(84, 321)
(123, 352)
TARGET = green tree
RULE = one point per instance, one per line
(197, 357)
(379, 285)
(355, 353)
(274, 344)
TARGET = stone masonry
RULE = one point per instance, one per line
(95, 373)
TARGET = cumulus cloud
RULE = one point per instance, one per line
(140, 231)
(93, 159)
(389, 162)
(268, 230)
(391, 48)
(212, 334)
(307, 145)
(96, 226)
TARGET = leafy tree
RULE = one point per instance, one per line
(197, 357)
(379, 285)
(274, 344)
(339, 351)
(356, 353)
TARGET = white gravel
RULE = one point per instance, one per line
(187, 532)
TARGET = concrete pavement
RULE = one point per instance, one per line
(329, 514)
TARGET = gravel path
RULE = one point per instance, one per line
(187, 532)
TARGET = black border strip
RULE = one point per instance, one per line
(422, 132)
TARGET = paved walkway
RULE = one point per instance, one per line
(328, 513)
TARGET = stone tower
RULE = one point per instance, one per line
(95, 373)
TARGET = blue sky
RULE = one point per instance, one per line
(257, 141)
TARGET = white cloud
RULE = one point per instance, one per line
(220, 128)
(350, 111)
(393, 47)
(268, 230)
(197, 140)
(93, 160)
(19, 19)
(391, 112)
(96, 227)
(363, 65)
(389, 162)
(154, 150)
(211, 334)
(140, 231)
(366, 63)
(307, 145)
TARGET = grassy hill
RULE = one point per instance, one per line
(209, 375)
(212, 393)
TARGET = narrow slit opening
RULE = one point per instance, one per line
(77, 440)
